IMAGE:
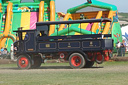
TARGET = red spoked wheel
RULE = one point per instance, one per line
(99, 58)
(24, 62)
(76, 60)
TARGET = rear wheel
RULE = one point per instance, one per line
(76, 60)
(99, 58)
(24, 62)
(37, 60)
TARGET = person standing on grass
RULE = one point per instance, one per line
(2, 50)
(123, 48)
(11, 52)
(5, 51)
(118, 47)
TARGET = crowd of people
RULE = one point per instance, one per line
(4, 53)
(121, 48)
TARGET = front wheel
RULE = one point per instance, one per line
(24, 62)
(76, 60)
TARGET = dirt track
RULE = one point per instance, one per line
(6, 61)
(111, 73)
(118, 68)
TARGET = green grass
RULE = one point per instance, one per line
(126, 54)
(114, 63)
(113, 73)
(124, 16)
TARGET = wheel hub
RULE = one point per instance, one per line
(22, 62)
(77, 61)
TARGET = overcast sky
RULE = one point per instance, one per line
(63, 5)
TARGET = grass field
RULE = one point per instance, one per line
(124, 16)
(108, 73)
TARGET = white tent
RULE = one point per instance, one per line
(125, 35)
(124, 30)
